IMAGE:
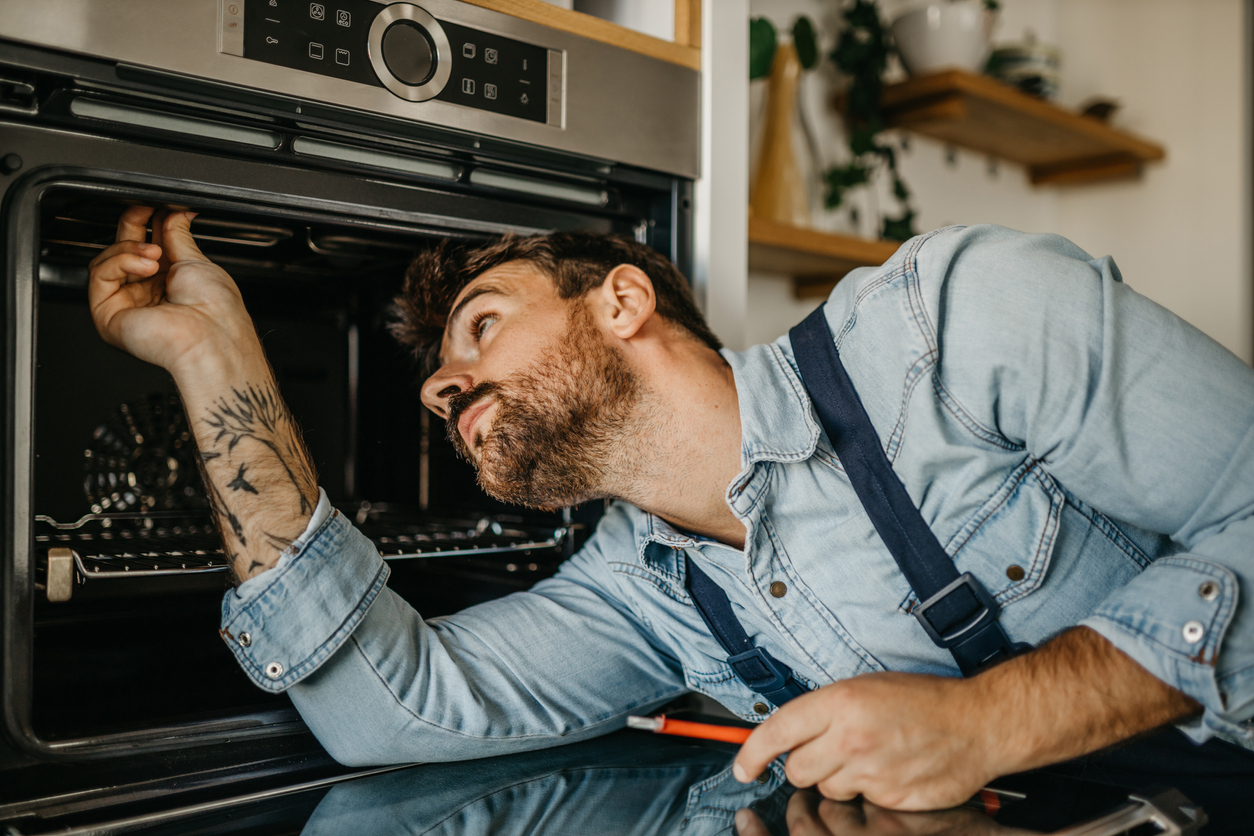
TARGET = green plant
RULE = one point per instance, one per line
(862, 53)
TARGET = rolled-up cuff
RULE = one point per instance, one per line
(1171, 619)
(283, 628)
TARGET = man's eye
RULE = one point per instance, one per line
(481, 324)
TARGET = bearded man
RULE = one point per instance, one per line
(1079, 453)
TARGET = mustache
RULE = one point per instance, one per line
(458, 404)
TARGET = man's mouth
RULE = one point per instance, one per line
(466, 422)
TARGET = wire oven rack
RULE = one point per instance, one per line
(181, 544)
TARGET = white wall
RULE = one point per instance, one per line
(1180, 234)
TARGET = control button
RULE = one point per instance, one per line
(468, 50)
(343, 18)
(1193, 632)
(468, 86)
(779, 589)
(315, 51)
(523, 98)
(274, 670)
(341, 57)
(761, 708)
(1209, 591)
(232, 9)
(409, 53)
(489, 55)
(489, 91)
(317, 11)
(1015, 572)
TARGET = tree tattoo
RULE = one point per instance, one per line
(260, 415)
(253, 414)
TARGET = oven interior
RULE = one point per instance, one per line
(129, 578)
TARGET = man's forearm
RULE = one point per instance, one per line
(257, 473)
(1074, 695)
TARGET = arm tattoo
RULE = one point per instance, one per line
(254, 413)
(260, 415)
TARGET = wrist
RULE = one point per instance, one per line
(212, 365)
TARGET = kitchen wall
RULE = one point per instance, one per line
(1180, 234)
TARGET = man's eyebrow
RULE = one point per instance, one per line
(467, 299)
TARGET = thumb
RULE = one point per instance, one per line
(176, 238)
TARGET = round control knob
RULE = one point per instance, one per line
(409, 52)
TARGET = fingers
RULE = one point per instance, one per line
(133, 225)
(801, 720)
(150, 252)
(176, 238)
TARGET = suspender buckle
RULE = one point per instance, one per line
(948, 635)
(759, 670)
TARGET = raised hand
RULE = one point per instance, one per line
(163, 301)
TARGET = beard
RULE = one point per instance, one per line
(560, 424)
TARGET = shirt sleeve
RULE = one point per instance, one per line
(378, 684)
(1136, 413)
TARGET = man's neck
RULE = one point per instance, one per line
(687, 450)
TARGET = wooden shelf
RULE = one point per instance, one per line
(815, 260)
(685, 50)
(980, 113)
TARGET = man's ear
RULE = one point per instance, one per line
(625, 300)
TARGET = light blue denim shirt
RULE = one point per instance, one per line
(1086, 454)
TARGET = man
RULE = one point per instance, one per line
(1085, 454)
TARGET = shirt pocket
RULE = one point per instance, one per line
(1009, 542)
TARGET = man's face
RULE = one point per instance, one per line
(531, 392)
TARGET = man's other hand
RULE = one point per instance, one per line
(905, 741)
(918, 742)
(163, 301)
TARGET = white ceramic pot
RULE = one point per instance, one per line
(943, 36)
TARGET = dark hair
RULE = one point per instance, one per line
(577, 262)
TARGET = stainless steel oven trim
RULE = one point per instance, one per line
(22, 201)
(617, 104)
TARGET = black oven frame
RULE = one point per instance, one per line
(58, 150)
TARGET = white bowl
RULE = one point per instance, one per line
(943, 36)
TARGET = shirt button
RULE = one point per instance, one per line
(1015, 572)
(1193, 632)
(274, 670)
(245, 640)
(779, 589)
(1209, 590)
(761, 708)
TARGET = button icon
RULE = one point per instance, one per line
(468, 86)
(341, 57)
(489, 55)
(489, 91)
(468, 50)
(271, 40)
(233, 9)
(343, 18)
(317, 11)
(524, 99)
(315, 51)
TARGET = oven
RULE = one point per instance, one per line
(324, 145)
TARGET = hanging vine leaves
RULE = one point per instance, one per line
(761, 47)
(862, 52)
(807, 44)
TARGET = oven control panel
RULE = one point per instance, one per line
(402, 48)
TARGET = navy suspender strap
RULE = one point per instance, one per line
(757, 668)
(955, 609)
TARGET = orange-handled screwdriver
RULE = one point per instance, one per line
(687, 728)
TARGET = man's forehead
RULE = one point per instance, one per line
(511, 277)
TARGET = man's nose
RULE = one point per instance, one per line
(443, 385)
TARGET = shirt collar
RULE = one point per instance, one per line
(777, 420)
